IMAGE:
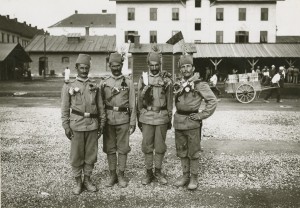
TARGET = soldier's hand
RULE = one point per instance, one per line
(195, 117)
(69, 133)
(132, 129)
(140, 126)
(169, 125)
(99, 132)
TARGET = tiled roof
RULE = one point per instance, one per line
(287, 39)
(165, 48)
(61, 44)
(7, 48)
(13, 26)
(91, 20)
(252, 50)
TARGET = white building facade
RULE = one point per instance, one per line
(201, 21)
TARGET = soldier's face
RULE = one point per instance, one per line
(187, 70)
(154, 67)
(116, 68)
(83, 70)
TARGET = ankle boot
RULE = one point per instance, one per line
(78, 187)
(88, 184)
(183, 180)
(122, 181)
(160, 177)
(148, 178)
(113, 179)
(193, 182)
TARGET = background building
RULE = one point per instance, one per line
(93, 24)
(201, 21)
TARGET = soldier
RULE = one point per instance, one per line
(119, 100)
(189, 93)
(155, 104)
(84, 125)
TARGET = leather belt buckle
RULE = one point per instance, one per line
(116, 108)
(86, 115)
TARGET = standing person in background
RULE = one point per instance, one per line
(119, 99)
(207, 73)
(266, 76)
(277, 82)
(189, 92)
(213, 84)
(84, 125)
(289, 74)
(273, 71)
(234, 71)
(67, 74)
(259, 72)
(155, 104)
(295, 75)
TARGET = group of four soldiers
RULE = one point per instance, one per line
(90, 109)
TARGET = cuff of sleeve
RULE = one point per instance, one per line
(66, 126)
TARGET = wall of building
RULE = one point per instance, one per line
(81, 30)
(187, 15)
(98, 66)
(13, 38)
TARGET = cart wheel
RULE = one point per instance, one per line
(245, 93)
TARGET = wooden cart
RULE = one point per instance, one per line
(245, 91)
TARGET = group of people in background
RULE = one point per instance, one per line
(110, 108)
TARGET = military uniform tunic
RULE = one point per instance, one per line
(82, 96)
(119, 100)
(188, 131)
(155, 115)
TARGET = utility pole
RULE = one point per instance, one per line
(45, 58)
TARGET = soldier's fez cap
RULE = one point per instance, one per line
(115, 57)
(281, 68)
(185, 59)
(83, 59)
(153, 56)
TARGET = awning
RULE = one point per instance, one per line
(251, 50)
(13, 48)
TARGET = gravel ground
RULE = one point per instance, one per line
(36, 173)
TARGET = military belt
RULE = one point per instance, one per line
(186, 113)
(85, 114)
(155, 108)
(114, 108)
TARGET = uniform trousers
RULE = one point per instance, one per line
(116, 139)
(188, 143)
(84, 150)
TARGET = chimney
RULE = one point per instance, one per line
(137, 41)
(16, 19)
(7, 16)
(87, 31)
(104, 11)
(24, 22)
(76, 11)
(29, 25)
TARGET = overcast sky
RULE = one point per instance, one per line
(44, 13)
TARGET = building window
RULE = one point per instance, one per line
(219, 37)
(242, 14)
(197, 24)
(153, 14)
(129, 36)
(13, 39)
(18, 38)
(153, 36)
(197, 3)
(175, 13)
(242, 37)
(264, 14)
(131, 12)
(2, 37)
(65, 60)
(220, 14)
(263, 36)
(197, 41)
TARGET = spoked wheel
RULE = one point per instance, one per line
(245, 93)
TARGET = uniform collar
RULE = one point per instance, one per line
(81, 79)
(151, 75)
(117, 77)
